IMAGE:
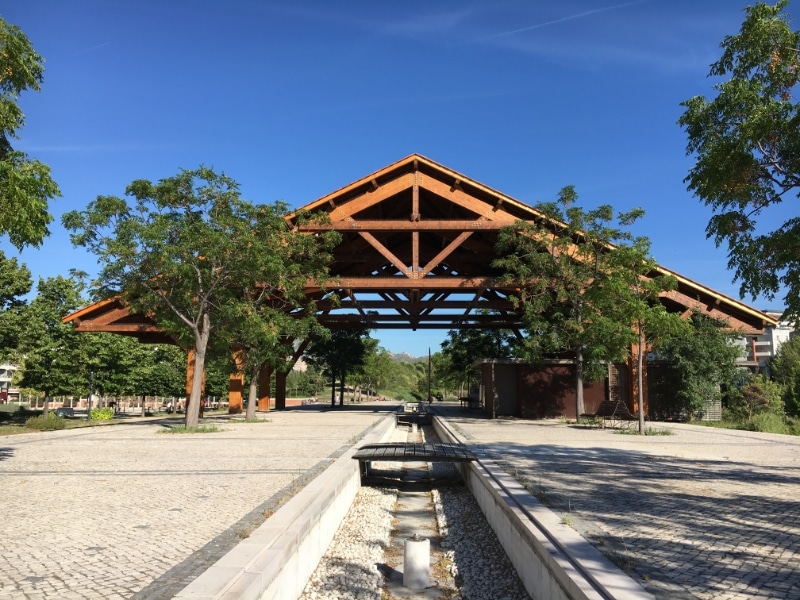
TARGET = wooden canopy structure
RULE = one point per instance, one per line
(418, 242)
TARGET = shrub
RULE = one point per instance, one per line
(767, 422)
(40, 423)
(102, 414)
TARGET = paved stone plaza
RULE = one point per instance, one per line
(123, 512)
(703, 513)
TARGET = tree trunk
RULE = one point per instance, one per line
(341, 391)
(252, 393)
(579, 405)
(333, 389)
(45, 407)
(201, 335)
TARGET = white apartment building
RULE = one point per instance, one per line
(7, 371)
(758, 350)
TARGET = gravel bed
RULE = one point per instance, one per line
(476, 560)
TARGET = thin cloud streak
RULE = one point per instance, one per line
(563, 19)
(91, 49)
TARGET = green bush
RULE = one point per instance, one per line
(40, 423)
(768, 422)
(102, 414)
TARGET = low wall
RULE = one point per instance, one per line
(552, 560)
(278, 558)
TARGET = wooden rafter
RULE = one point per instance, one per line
(447, 251)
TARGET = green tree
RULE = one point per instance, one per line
(53, 352)
(463, 347)
(25, 183)
(699, 364)
(377, 363)
(184, 252)
(759, 404)
(342, 352)
(631, 296)
(161, 371)
(263, 322)
(747, 147)
(560, 265)
(15, 283)
(785, 368)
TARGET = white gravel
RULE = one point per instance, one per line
(478, 564)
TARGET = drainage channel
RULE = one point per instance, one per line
(380, 549)
(417, 566)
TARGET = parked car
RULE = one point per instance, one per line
(66, 412)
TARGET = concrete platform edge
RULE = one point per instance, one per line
(267, 564)
(551, 559)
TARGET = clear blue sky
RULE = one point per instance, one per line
(295, 99)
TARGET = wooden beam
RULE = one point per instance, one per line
(109, 317)
(367, 283)
(428, 305)
(395, 318)
(386, 253)
(456, 195)
(449, 249)
(373, 196)
(91, 326)
(422, 225)
(415, 252)
(734, 323)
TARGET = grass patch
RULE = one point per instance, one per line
(184, 429)
(647, 431)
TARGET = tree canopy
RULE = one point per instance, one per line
(746, 142)
(191, 253)
(25, 183)
(560, 265)
(698, 365)
(341, 352)
(15, 283)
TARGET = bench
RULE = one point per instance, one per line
(410, 452)
(470, 403)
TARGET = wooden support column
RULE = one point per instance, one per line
(235, 388)
(280, 390)
(264, 379)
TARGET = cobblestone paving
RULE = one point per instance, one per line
(703, 513)
(118, 512)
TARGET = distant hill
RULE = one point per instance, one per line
(405, 357)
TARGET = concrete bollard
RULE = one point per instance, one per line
(416, 563)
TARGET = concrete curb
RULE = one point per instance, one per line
(278, 558)
(552, 559)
